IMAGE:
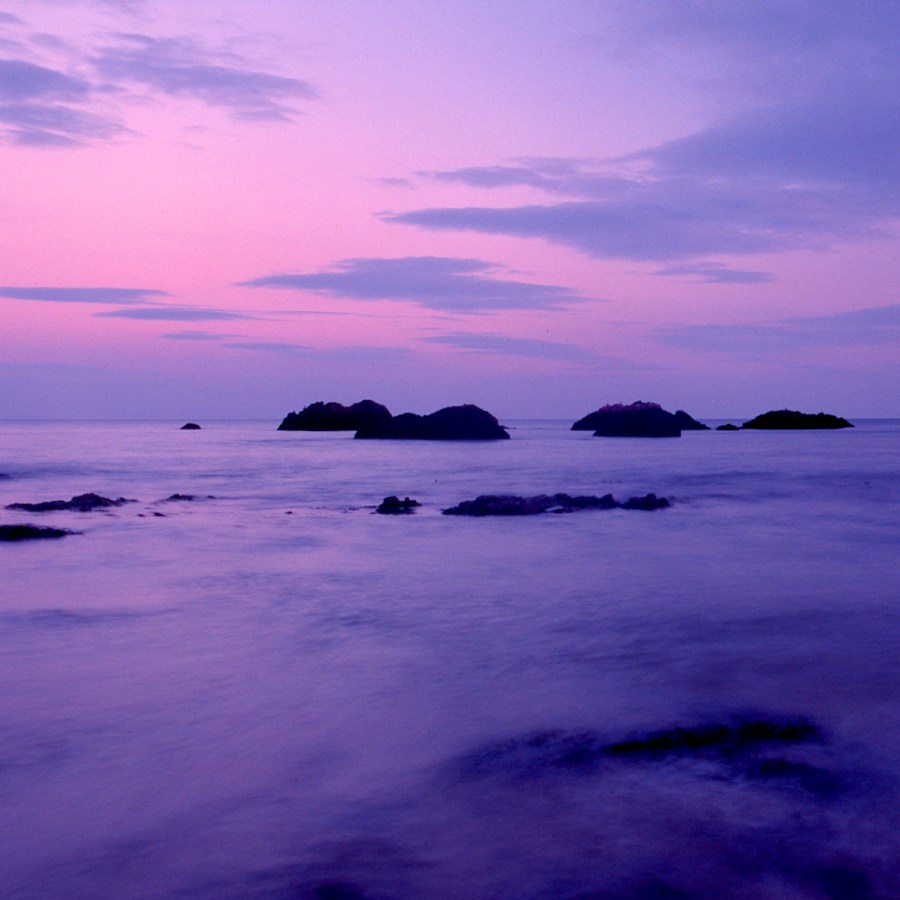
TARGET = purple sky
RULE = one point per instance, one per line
(230, 209)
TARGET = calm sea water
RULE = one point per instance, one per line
(273, 692)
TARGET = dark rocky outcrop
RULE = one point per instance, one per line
(334, 416)
(640, 419)
(190, 426)
(453, 423)
(81, 503)
(31, 533)
(740, 747)
(727, 427)
(393, 506)
(777, 419)
(688, 423)
(511, 505)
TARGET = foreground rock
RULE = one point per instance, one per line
(333, 416)
(640, 419)
(453, 423)
(81, 503)
(31, 533)
(778, 419)
(393, 506)
(511, 505)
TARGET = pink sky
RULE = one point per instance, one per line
(230, 210)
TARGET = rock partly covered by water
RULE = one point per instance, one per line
(81, 503)
(334, 416)
(453, 423)
(393, 506)
(511, 505)
(11, 533)
(777, 419)
(640, 419)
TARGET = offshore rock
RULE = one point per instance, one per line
(727, 427)
(689, 423)
(777, 419)
(31, 533)
(394, 506)
(190, 426)
(453, 423)
(81, 503)
(640, 419)
(511, 505)
(334, 416)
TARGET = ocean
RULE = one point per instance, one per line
(271, 691)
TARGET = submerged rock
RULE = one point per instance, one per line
(190, 426)
(81, 503)
(31, 532)
(334, 416)
(452, 423)
(512, 505)
(640, 419)
(778, 419)
(392, 506)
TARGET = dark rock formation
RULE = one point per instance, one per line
(81, 503)
(742, 747)
(689, 423)
(777, 419)
(392, 506)
(453, 423)
(31, 532)
(511, 505)
(333, 416)
(190, 426)
(638, 419)
(727, 427)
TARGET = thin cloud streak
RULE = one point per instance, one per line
(438, 283)
(82, 294)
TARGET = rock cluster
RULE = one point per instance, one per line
(452, 423)
(392, 506)
(511, 505)
(334, 416)
(81, 503)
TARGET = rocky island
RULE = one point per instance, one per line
(452, 423)
(640, 419)
(778, 419)
(332, 416)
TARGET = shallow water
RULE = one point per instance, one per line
(272, 692)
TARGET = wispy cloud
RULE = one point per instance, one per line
(806, 159)
(194, 335)
(172, 314)
(182, 67)
(439, 283)
(531, 348)
(873, 327)
(83, 294)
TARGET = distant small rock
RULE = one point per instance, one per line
(11, 533)
(392, 506)
(190, 426)
(727, 427)
(320, 416)
(778, 419)
(81, 503)
(452, 423)
(512, 505)
(640, 419)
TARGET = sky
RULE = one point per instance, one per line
(230, 210)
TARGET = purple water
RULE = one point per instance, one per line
(271, 691)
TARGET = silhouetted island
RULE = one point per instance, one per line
(190, 426)
(31, 533)
(332, 416)
(640, 419)
(727, 427)
(511, 505)
(778, 419)
(689, 423)
(453, 423)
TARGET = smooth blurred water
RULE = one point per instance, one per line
(273, 692)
